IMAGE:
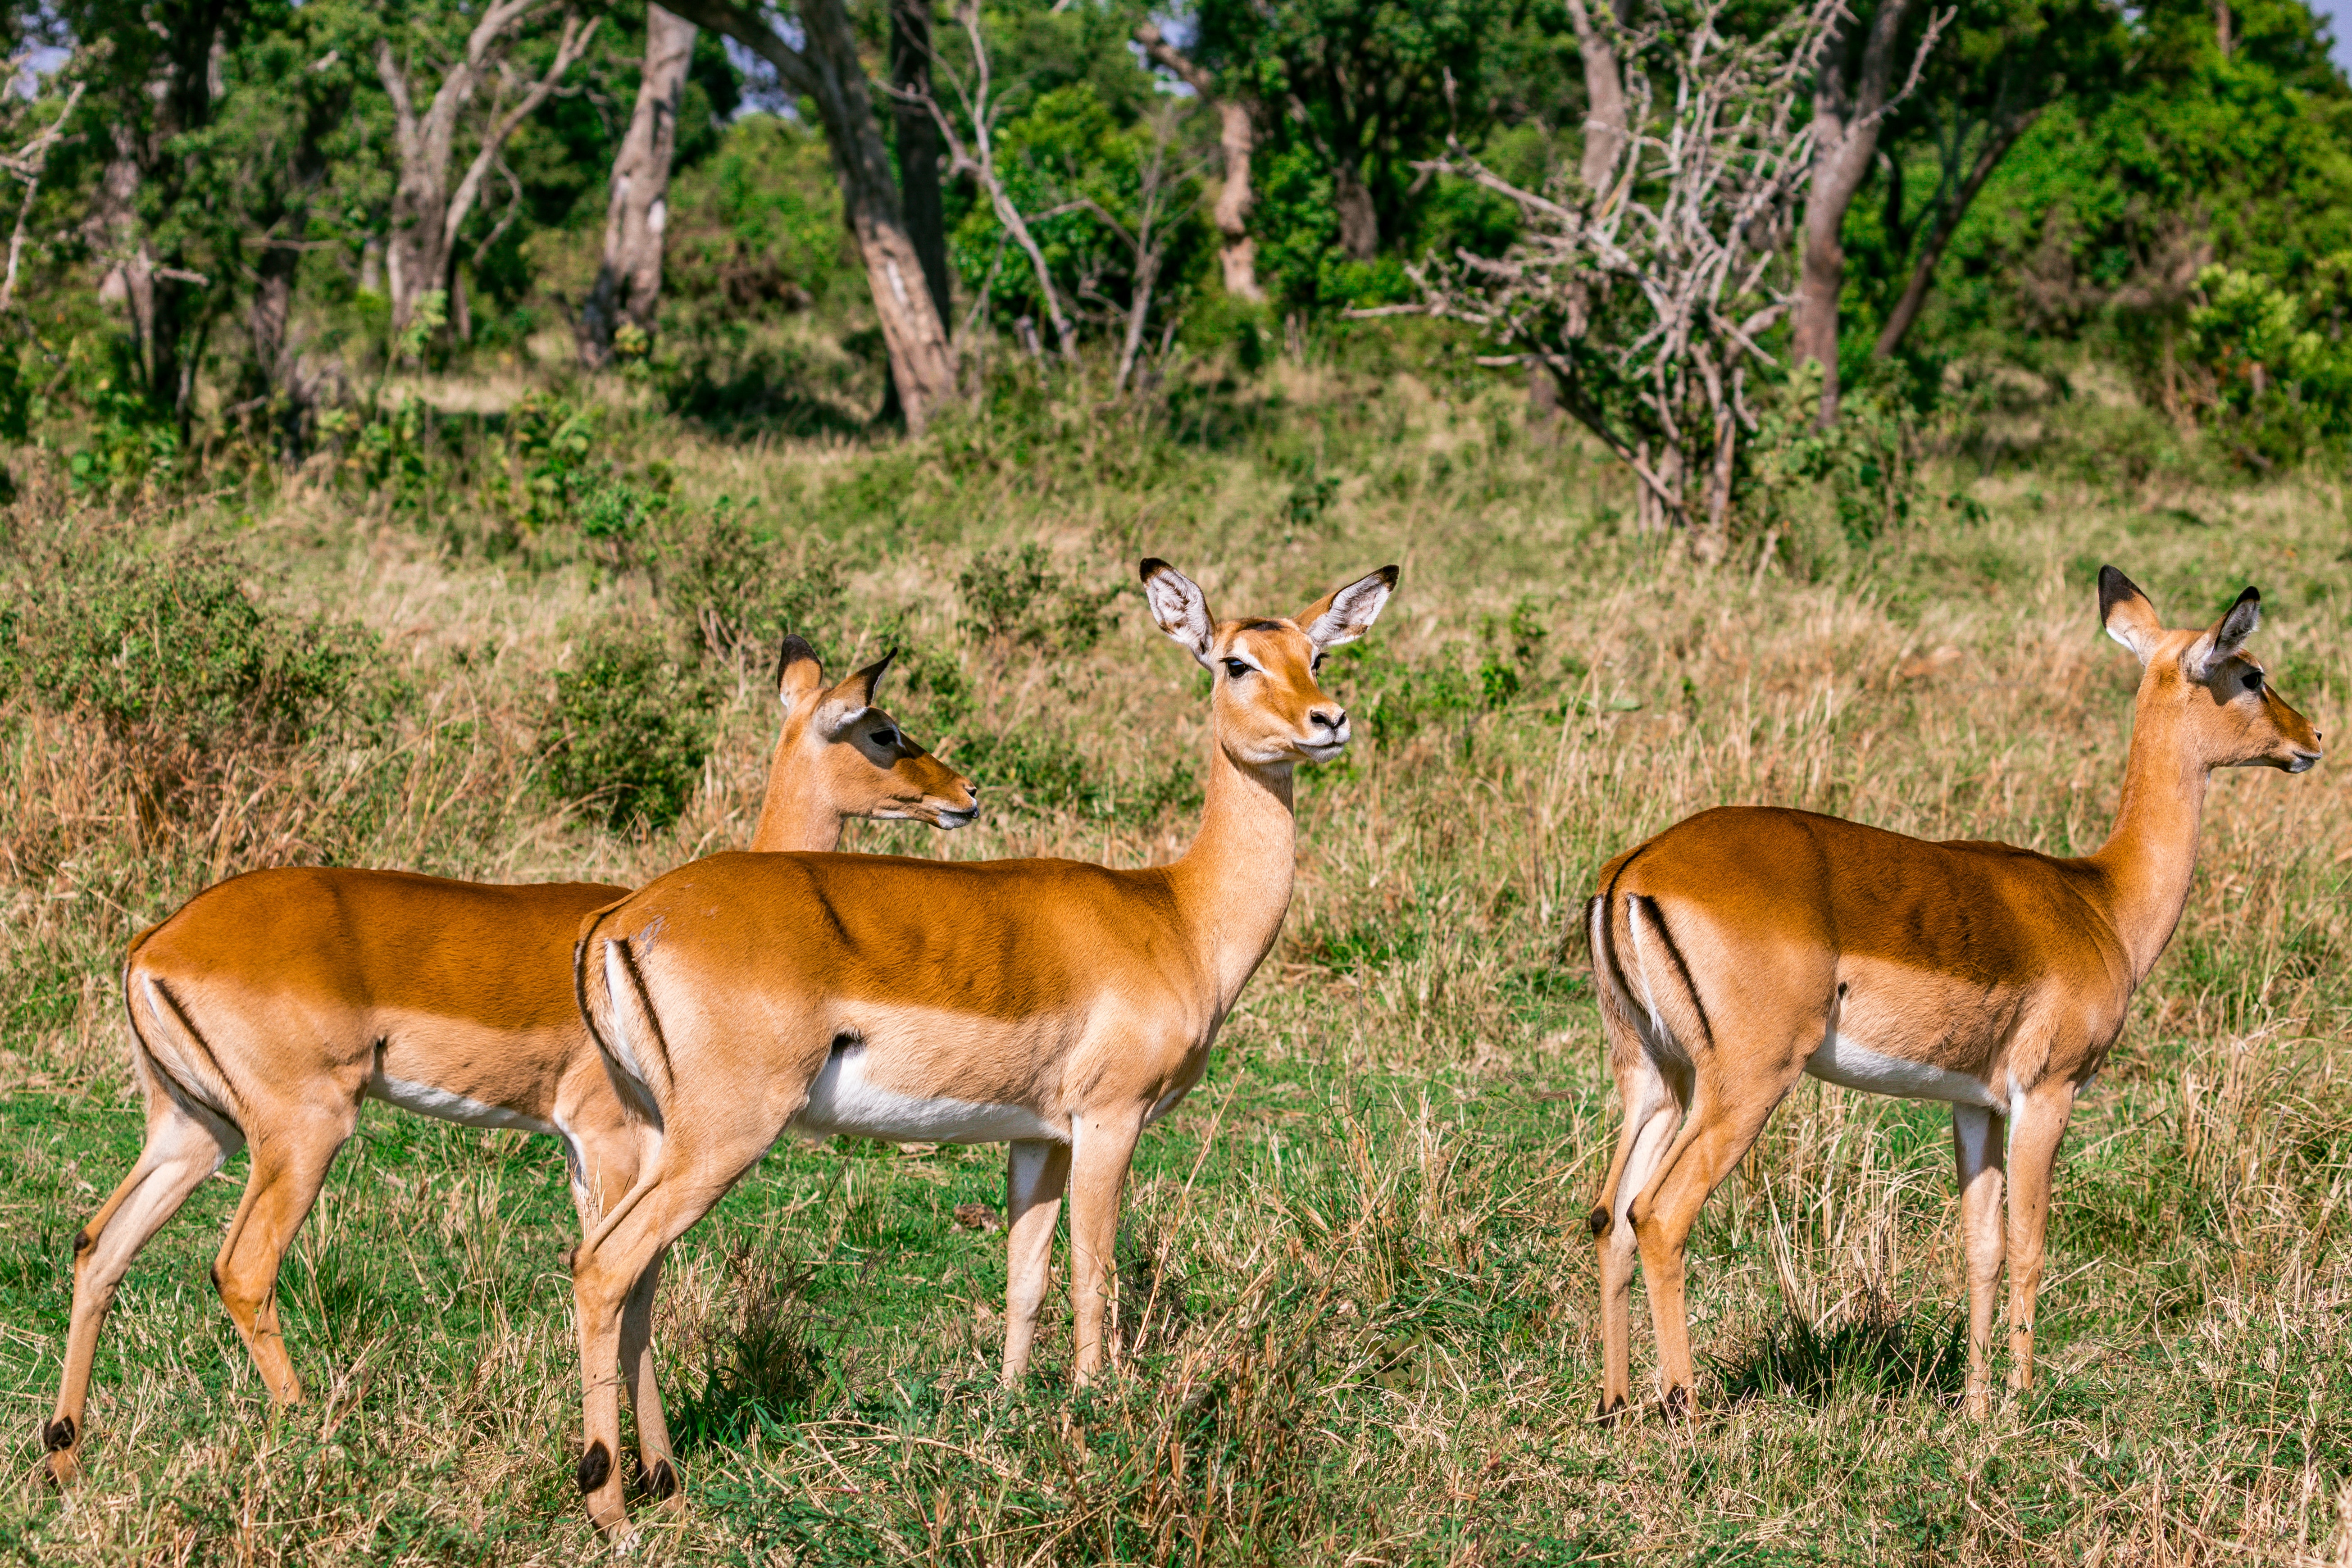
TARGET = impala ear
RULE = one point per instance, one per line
(2128, 616)
(851, 700)
(2221, 645)
(1180, 608)
(1346, 614)
(800, 674)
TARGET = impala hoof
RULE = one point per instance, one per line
(661, 1481)
(1610, 1411)
(1677, 1403)
(595, 1467)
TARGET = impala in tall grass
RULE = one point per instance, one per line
(271, 1004)
(1056, 1006)
(1748, 945)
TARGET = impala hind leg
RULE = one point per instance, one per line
(2037, 1126)
(608, 1269)
(1035, 1175)
(1723, 1124)
(1976, 1138)
(1103, 1150)
(184, 1147)
(289, 1166)
(604, 1161)
(1653, 1109)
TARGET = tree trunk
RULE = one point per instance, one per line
(1604, 94)
(922, 366)
(1999, 140)
(1237, 140)
(1846, 105)
(1359, 225)
(427, 212)
(628, 283)
(918, 147)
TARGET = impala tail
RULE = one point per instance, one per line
(611, 988)
(1641, 975)
(168, 1044)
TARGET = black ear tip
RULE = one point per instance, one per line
(2115, 588)
(1152, 567)
(794, 649)
(2253, 595)
(1387, 575)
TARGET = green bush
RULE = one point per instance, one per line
(626, 730)
(727, 586)
(1016, 598)
(172, 647)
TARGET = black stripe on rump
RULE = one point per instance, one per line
(1690, 986)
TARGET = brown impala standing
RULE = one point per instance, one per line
(1749, 944)
(1056, 1006)
(273, 1003)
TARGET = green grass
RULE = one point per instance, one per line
(1357, 1294)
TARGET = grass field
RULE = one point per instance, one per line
(1357, 1292)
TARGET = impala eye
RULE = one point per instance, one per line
(2254, 680)
(886, 737)
(1315, 665)
(1236, 669)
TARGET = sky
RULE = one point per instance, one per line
(2340, 11)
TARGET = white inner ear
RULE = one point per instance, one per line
(837, 725)
(1353, 610)
(2115, 631)
(2200, 658)
(1181, 611)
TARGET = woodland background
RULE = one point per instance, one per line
(388, 484)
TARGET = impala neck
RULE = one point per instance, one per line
(1232, 884)
(797, 813)
(2149, 857)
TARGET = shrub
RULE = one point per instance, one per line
(1016, 598)
(628, 730)
(727, 586)
(183, 667)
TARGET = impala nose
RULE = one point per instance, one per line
(1328, 717)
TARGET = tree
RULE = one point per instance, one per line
(827, 70)
(427, 212)
(628, 283)
(154, 87)
(2004, 63)
(1850, 99)
(1237, 138)
(1371, 85)
(1645, 293)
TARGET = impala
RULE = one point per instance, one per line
(1056, 1006)
(272, 1003)
(1748, 945)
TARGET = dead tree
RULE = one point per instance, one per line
(824, 67)
(26, 163)
(636, 215)
(427, 212)
(1642, 292)
(975, 156)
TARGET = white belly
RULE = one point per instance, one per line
(426, 1101)
(1843, 1062)
(844, 1100)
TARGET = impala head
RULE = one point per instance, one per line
(1268, 709)
(853, 755)
(2210, 679)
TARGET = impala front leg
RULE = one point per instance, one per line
(1104, 1149)
(2038, 1125)
(1035, 1174)
(1977, 1137)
